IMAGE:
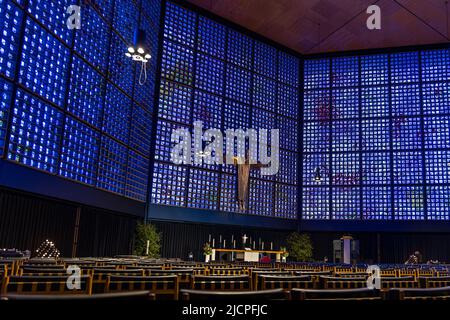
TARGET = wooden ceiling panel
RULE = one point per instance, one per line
(313, 26)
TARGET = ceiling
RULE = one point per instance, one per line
(314, 26)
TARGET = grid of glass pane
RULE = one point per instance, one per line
(287, 101)
(317, 74)
(140, 131)
(203, 189)
(435, 65)
(174, 102)
(374, 69)
(261, 197)
(407, 167)
(409, 203)
(437, 132)
(5, 102)
(179, 25)
(405, 100)
(112, 166)
(211, 37)
(406, 133)
(437, 164)
(79, 152)
(209, 74)
(169, 184)
(316, 203)
(375, 134)
(375, 102)
(344, 72)
(52, 14)
(376, 203)
(317, 106)
(316, 137)
(264, 93)
(345, 203)
(125, 19)
(44, 63)
(72, 124)
(86, 93)
(345, 169)
(120, 70)
(235, 82)
(405, 67)
(285, 201)
(240, 49)
(177, 63)
(11, 17)
(164, 144)
(316, 169)
(228, 193)
(436, 98)
(345, 136)
(116, 116)
(288, 69)
(376, 168)
(36, 129)
(265, 60)
(137, 176)
(346, 103)
(238, 84)
(208, 110)
(438, 203)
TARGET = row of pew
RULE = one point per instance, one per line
(174, 279)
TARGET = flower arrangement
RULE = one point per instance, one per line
(207, 250)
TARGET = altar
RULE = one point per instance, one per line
(245, 255)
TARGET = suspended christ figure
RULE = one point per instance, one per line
(243, 178)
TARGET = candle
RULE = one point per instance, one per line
(213, 242)
(209, 238)
(234, 244)
(224, 243)
(232, 238)
(253, 244)
(271, 246)
(262, 245)
(148, 247)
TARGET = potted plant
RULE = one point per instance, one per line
(148, 241)
(207, 251)
(300, 246)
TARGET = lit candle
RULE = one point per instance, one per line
(234, 244)
(209, 238)
(262, 245)
(213, 242)
(148, 247)
(224, 243)
(254, 244)
(220, 239)
(271, 246)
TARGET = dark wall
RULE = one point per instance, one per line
(178, 238)
(27, 220)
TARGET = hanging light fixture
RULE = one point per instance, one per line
(317, 175)
(137, 52)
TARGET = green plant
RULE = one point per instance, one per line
(207, 250)
(147, 232)
(300, 246)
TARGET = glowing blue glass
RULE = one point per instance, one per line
(5, 102)
(116, 117)
(79, 155)
(112, 166)
(203, 189)
(11, 17)
(36, 131)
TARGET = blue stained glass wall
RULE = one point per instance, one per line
(70, 102)
(228, 80)
(376, 137)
